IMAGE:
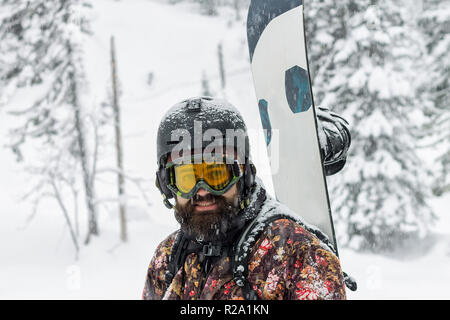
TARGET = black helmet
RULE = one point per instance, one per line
(195, 117)
(192, 119)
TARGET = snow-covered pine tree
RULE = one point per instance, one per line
(435, 88)
(40, 46)
(211, 7)
(364, 59)
(325, 23)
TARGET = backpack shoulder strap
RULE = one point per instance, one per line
(177, 257)
(248, 238)
(182, 247)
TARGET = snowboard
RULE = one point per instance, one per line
(278, 55)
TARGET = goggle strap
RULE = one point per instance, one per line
(172, 180)
(236, 169)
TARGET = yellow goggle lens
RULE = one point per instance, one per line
(216, 175)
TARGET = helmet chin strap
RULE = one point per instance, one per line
(167, 203)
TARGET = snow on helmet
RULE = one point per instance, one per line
(195, 117)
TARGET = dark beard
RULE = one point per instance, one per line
(209, 226)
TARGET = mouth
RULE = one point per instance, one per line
(205, 206)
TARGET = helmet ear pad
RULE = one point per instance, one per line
(249, 175)
(246, 183)
(162, 180)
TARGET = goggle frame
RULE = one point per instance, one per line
(236, 170)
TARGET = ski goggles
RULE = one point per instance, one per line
(215, 177)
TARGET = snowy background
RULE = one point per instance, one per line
(167, 51)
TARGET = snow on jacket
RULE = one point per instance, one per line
(286, 263)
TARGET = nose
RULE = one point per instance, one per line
(202, 192)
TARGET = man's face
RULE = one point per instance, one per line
(208, 217)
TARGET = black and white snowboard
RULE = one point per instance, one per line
(278, 56)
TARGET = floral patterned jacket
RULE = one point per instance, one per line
(286, 263)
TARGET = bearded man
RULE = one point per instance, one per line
(235, 241)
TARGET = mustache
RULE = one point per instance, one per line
(206, 198)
